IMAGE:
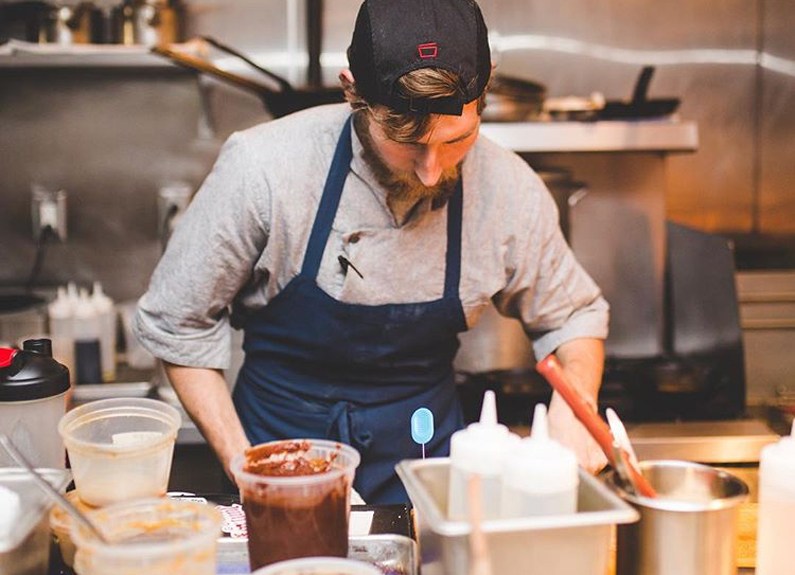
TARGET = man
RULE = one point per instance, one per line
(354, 247)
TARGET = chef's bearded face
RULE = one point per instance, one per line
(416, 156)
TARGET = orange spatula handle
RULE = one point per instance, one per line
(552, 371)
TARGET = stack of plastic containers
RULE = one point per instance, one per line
(121, 452)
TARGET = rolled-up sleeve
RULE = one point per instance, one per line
(183, 317)
(547, 289)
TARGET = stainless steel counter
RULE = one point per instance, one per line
(736, 441)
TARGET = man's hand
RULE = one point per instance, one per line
(206, 398)
(583, 362)
(566, 428)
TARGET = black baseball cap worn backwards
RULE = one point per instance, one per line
(394, 37)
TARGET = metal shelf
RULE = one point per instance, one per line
(666, 135)
(16, 54)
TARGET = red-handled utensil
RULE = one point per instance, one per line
(552, 371)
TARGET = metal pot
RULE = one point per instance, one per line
(148, 22)
(513, 100)
(689, 529)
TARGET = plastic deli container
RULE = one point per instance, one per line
(152, 536)
(25, 537)
(61, 527)
(120, 449)
(289, 517)
(569, 544)
(320, 566)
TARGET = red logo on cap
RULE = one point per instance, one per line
(428, 51)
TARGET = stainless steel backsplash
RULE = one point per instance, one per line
(111, 137)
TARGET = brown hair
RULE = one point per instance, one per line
(420, 83)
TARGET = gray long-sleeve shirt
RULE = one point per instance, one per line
(244, 235)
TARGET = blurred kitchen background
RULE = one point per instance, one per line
(129, 136)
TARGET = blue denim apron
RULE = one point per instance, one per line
(320, 368)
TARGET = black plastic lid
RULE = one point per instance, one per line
(31, 373)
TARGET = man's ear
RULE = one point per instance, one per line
(346, 78)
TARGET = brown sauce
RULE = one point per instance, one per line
(285, 523)
(286, 459)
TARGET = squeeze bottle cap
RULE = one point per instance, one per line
(488, 412)
(61, 308)
(482, 446)
(540, 429)
(540, 464)
(84, 308)
(102, 302)
(71, 291)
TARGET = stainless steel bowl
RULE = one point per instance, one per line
(690, 529)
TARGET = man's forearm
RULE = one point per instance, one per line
(583, 362)
(206, 398)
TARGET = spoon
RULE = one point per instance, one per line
(620, 435)
(53, 493)
(622, 471)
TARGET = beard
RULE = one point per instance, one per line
(402, 186)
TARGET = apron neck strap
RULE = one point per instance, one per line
(452, 274)
(330, 201)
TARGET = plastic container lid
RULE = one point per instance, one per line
(482, 446)
(777, 463)
(32, 373)
(541, 464)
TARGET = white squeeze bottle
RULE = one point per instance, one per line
(61, 313)
(106, 311)
(480, 448)
(776, 508)
(540, 477)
